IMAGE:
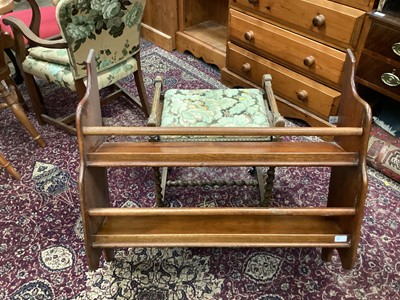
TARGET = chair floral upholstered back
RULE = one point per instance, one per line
(110, 27)
(113, 27)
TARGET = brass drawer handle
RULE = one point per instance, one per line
(396, 48)
(319, 21)
(309, 61)
(246, 67)
(390, 79)
(302, 95)
(249, 35)
(253, 2)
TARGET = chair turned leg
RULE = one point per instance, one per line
(269, 186)
(12, 101)
(21, 100)
(9, 168)
(36, 97)
(159, 186)
(17, 73)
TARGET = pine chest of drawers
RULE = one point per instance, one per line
(301, 43)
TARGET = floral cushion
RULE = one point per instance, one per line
(61, 74)
(214, 108)
(58, 56)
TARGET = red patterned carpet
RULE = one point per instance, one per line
(41, 249)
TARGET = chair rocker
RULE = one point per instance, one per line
(113, 34)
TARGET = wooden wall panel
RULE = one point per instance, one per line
(160, 23)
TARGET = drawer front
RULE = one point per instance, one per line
(325, 20)
(365, 5)
(306, 56)
(371, 69)
(384, 40)
(300, 90)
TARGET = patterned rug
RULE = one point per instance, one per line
(384, 152)
(42, 253)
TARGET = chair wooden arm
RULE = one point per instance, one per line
(20, 30)
(36, 19)
(36, 16)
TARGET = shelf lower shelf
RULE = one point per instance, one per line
(206, 40)
(221, 231)
(210, 33)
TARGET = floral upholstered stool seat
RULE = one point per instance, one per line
(214, 108)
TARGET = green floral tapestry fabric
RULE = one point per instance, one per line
(111, 27)
(214, 108)
(56, 56)
(53, 70)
